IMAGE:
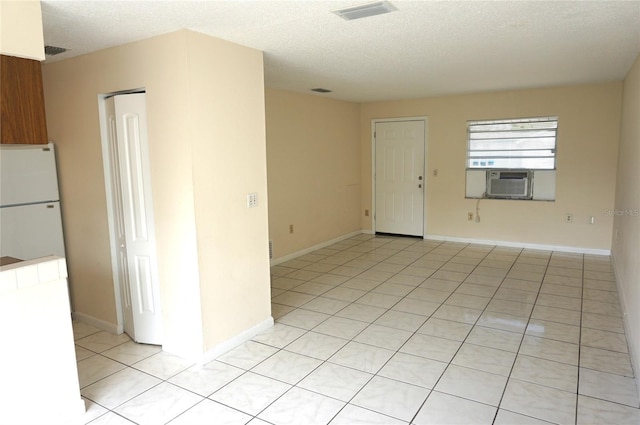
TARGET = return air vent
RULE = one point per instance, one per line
(53, 50)
(365, 10)
(270, 250)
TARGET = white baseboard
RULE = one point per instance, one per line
(559, 248)
(100, 324)
(235, 341)
(524, 245)
(296, 254)
(632, 343)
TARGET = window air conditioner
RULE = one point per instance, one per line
(509, 184)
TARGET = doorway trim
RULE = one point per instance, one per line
(374, 121)
(111, 215)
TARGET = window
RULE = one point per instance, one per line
(516, 143)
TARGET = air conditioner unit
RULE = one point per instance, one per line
(509, 184)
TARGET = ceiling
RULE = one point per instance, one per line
(424, 49)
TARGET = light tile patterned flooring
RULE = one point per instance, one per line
(389, 330)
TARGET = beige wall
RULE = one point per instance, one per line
(21, 29)
(626, 226)
(227, 123)
(181, 109)
(586, 161)
(313, 159)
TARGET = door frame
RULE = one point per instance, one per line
(111, 214)
(374, 121)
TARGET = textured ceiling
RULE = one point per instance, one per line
(425, 48)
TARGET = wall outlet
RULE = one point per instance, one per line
(568, 218)
(366, 213)
(291, 228)
(470, 216)
(592, 220)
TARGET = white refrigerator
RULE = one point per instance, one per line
(30, 219)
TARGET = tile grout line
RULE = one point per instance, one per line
(461, 342)
(323, 361)
(579, 373)
(373, 375)
(504, 391)
(369, 323)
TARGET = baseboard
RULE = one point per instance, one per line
(235, 341)
(296, 254)
(558, 248)
(628, 331)
(100, 324)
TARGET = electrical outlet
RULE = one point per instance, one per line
(435, 172)
(291, 228)
(366, 213)
(592, 220)
(470, 216)
(568, 218)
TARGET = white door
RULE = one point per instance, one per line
(399, 177)
(134, 223)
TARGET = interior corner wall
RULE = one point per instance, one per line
(313, 165)
(71, 89)
(587, 150)
(626, 226)
(226, 110)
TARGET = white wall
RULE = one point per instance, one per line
(205, 112)
(626, 226)
(588, 131)
(313, 157)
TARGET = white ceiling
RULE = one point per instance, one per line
(425, 48)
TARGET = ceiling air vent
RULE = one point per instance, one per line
(365, 10)
(53, 50)
(321, 90)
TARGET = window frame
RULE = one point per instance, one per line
(494, 162)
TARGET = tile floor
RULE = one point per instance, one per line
(388, 330)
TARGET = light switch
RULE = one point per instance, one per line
(252, 200)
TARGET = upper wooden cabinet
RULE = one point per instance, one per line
(21, 101)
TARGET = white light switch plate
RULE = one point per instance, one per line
(252, 200)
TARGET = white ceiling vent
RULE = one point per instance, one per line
(365, 10)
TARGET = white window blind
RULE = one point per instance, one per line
(514, 143)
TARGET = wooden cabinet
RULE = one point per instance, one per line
(21, 101)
